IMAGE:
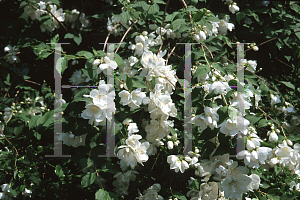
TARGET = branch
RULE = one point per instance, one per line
(126, 34)
(56, 19)
(163, 24)
(10, 143)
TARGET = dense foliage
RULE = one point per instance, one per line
(143, 107)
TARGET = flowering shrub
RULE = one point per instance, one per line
(120, 125)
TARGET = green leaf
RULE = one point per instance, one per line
(179, 195)
(191, 9)
(88, 179)
(202, 70)
(232, 113)
(217, 66)
(64, 64)
(69, 35)
(45, 117)
(137, 83)
(55, 39)
(35, 177)
(78, 39)
(177, 23)
(159, 2)
(240, 16)
(262, 123)
(98, 16)
(129, 83)
(198, 16)
(153, 83)
(223, 114)
(277, 169)
(86, 54)
(208, 134)
(153, 9)
(32, 121)
(288, 84)
(118, 59)
(265, 185)
(213, 19)
(252, 118)
(264, 89)
(102, 195)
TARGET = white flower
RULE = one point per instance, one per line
(134, 152)
(176, 164)
(229, 127)
(27, 193)
(70, 139)
(219, 87)
(275, 99)
(255, 48)
(125, 97)
(94, 113)
(96, 62)
(254, 185)
(199, 120)
(127, 121)
(12, 52)
(132, 128)
(202, 36)
(170, 145)
(233, 8)
(59, 14)
(6, 194)
(136, 98)
(84, 21)
(262, 153)
(273, 136)
(212, 117)
(108, 65)
(7, 114)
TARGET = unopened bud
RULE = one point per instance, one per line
(277, 131)
(289, 142)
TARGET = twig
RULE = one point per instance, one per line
(270, 40)
(163, 24)
(170, 82)
(272, 120)
(208, 51)
(10, 143)
(56, 19)
(126, 34)
(32, 82)
(284, 63)
(189, 14)
(109, 35)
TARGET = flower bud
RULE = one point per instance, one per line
(255, 48)
(197, 150)
(290, 143)
(277, 131)
(20, 111)
(145, 33)
(170, 145)
(188, 159)
(168, 136)
(273, 137)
